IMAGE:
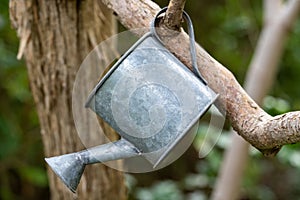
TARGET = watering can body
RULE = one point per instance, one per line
(151, 99)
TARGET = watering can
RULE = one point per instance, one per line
(151, 99)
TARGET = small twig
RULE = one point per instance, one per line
(173, 17)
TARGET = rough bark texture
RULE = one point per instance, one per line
(263, 131)
(173, 17)
(55, 36)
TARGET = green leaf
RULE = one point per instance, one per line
(35, 175)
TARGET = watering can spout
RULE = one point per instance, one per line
(69, 167)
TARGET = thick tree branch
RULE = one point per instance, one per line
(247, 118)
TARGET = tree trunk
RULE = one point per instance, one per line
(55, 36)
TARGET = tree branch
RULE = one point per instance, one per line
(271, 7)
(290, 12)
(247, 118)
(173, 17)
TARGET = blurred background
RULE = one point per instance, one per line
(228, 30)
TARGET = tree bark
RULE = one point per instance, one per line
(55, 37)
(173, 17)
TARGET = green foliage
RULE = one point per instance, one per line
(165, 190)
(35, 175)
(275, 106)
(228, 30)
(289, 73)
(22, 173)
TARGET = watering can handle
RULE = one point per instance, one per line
(187, 18)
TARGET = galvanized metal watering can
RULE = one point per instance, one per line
(150, 98)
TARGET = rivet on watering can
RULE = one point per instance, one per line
(150, 98)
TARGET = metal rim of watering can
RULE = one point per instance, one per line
(188, 20)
